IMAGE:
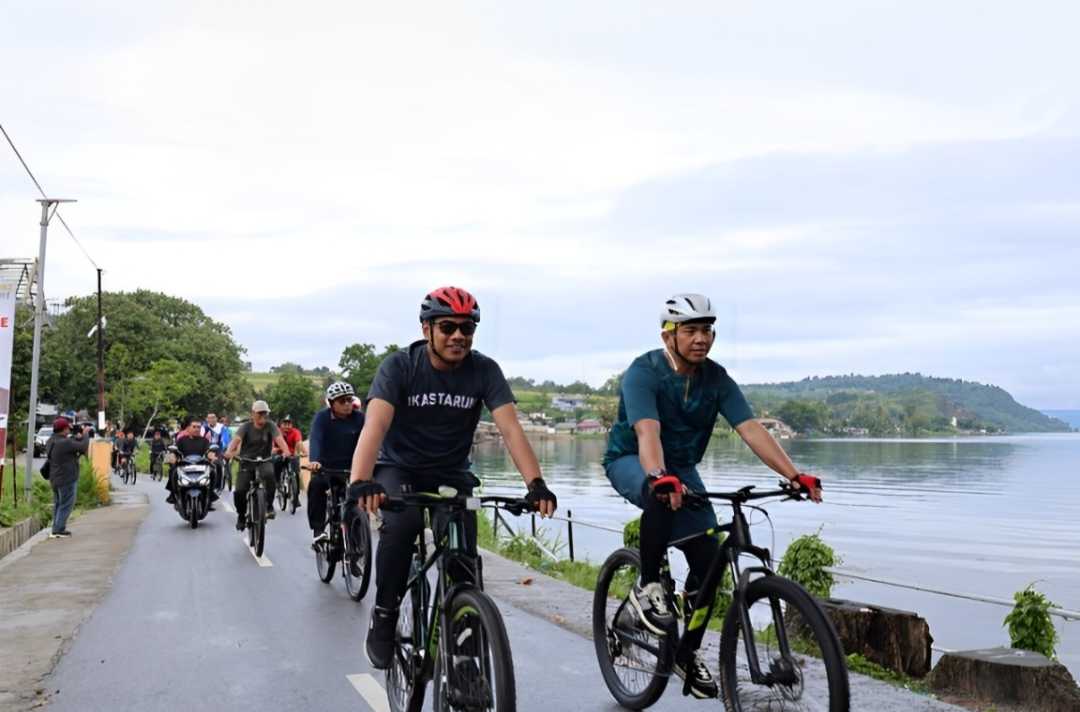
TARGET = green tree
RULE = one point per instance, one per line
(804, 415)
(142, 327)
(295, 395)
(158, 392)
(612, 386)
(359, 362)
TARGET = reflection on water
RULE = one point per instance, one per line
(983, 515)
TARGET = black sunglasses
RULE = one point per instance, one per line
(467, 328)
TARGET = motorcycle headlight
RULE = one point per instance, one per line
(204, 480)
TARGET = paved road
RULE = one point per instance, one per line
(194, 621)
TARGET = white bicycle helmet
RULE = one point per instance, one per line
(339, 389)
(687, 307)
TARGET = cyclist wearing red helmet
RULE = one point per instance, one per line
(422, 411)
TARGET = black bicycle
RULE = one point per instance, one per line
(778, 649)
(348, 540)
(453, 635)
(288, 486)
(127, 468)
(157, 460)
(258, 499)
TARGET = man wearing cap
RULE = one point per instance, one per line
(63, 453)
(255, 439)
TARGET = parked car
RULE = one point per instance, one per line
(42, 439)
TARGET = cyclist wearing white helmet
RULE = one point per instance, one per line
(334, 432)
(669, 401)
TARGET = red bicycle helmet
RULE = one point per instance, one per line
(449, 301)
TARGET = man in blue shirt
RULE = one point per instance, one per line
(334, 432)
(669, 402)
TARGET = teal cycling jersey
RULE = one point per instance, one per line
(686, 406)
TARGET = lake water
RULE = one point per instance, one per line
(982, 515)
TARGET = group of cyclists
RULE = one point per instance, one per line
(415, 432)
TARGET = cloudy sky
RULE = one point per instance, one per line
(861, 186)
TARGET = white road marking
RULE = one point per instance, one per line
(260, 560)
(372, 692)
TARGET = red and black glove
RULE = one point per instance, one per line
(808, 482)
(664, 483)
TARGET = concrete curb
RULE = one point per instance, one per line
(17, 535)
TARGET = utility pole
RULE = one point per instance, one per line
(100, 362)
(39, 317)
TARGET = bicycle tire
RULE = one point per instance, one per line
(294, 493)
(357, 563)
(607, 640)
(259, 523)
(470, 609)
(405, 682)
(740, 694)
(325, 563)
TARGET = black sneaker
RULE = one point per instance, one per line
(171, 499)
(702, 684)
(65, 534)
(650, 604)
(270, 514)
(240, 523)
(380, 637)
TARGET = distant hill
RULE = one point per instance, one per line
(909, 403)
(1072, 417)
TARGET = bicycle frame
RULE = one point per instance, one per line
(737, 543)
(448, 548)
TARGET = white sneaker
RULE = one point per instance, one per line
(650, 604)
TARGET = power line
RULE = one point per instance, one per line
(43, 195)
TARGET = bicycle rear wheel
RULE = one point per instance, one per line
(405, 682)
(357, 563)
(294, 491)
(796, 647)
(633, 661)
(478, 671)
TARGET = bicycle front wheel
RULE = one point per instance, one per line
(798, 654)
(405, 681)
(632, 659)
(477, 670)
(357, 563)
(258, 522)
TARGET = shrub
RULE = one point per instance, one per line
(1029, 622)
(804, 562)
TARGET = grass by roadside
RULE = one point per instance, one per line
(42, 499)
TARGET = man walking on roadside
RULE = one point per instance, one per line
(63, 453)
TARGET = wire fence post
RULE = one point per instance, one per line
(570, 532)
(532, 518)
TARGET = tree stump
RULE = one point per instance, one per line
(897, 640)
(1007, 676)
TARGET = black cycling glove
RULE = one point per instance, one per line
(539, 492)
(365, 488)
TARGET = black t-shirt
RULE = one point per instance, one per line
(435, 412)
(193, 446)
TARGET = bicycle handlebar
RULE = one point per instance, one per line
(514, 505)
(328, 470)
(745, 494)
(253, 460)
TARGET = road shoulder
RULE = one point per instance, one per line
(50, 588)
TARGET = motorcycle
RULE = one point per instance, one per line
(193, 486)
